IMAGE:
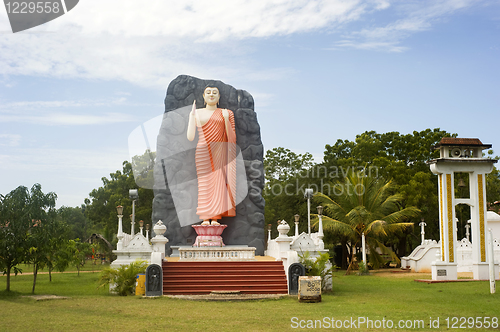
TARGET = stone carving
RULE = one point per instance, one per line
(175, 171)
(294, 272)
(154, 280)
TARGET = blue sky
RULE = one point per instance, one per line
(74, 89)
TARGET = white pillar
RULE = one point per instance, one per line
(158, 242)
(491, 261)
(320, 228)
(296, 229)
(119, 245)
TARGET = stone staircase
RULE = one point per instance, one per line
(245, 277)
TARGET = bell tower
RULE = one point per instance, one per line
(461, 155)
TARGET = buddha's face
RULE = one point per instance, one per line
(211, 96)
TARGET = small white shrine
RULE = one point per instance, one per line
(461, 155)
(421, 258)
(288, 248)
(134, 246)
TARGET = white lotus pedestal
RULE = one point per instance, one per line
(209, 235)
(209, 246)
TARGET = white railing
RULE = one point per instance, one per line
(217, 253)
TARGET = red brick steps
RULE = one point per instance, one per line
(248, 277)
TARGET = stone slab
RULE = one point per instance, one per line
(309, 289)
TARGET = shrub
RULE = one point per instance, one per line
(122, 279)
(321, 266)
(363, 269)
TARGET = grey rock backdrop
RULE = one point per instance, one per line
(175, 162)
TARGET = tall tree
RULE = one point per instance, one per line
(101, 207)
(286, 174)
(76, 221)
(369, 206)
(402, 159)
(21, 211)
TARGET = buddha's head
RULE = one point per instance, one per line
(211, 95)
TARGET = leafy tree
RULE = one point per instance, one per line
(101, 207)
(286, 175)
(21, 212)
(77, 253)
(74, 217)
(45, 240)
(402, 159)
(367, 205)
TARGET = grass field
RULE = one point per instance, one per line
(381, 298)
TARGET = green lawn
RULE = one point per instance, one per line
(381, 298)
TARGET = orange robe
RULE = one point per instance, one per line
(216, 168)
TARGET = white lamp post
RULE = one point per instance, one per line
(308, 193)
(133, 195)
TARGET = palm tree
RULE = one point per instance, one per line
(366, 205)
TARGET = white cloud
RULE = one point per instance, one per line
(9, 140)
(208, 21)
(415, 17)
(61, 118)
(42, 112)
(151, 43)
(69, 161)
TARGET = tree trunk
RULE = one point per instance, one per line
(8, 278)
(35, 272)
(345, 262)
(402, 245)
(50, 274)
(350, 264)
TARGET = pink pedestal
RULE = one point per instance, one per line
(209, 235)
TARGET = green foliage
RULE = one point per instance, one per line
(285, 174)
(45, 241)
(101, 207)
(77, 252)
(367, 205)
(381, 296)
(25, 215)
(122, 279)
(321, 266)
(401, 158)
(78, 224)
(363, 269)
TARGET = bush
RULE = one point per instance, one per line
(363, 269)
(122, 279)
(321, 266)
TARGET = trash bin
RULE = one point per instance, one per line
(140, 284)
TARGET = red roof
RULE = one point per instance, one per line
(456, 141)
